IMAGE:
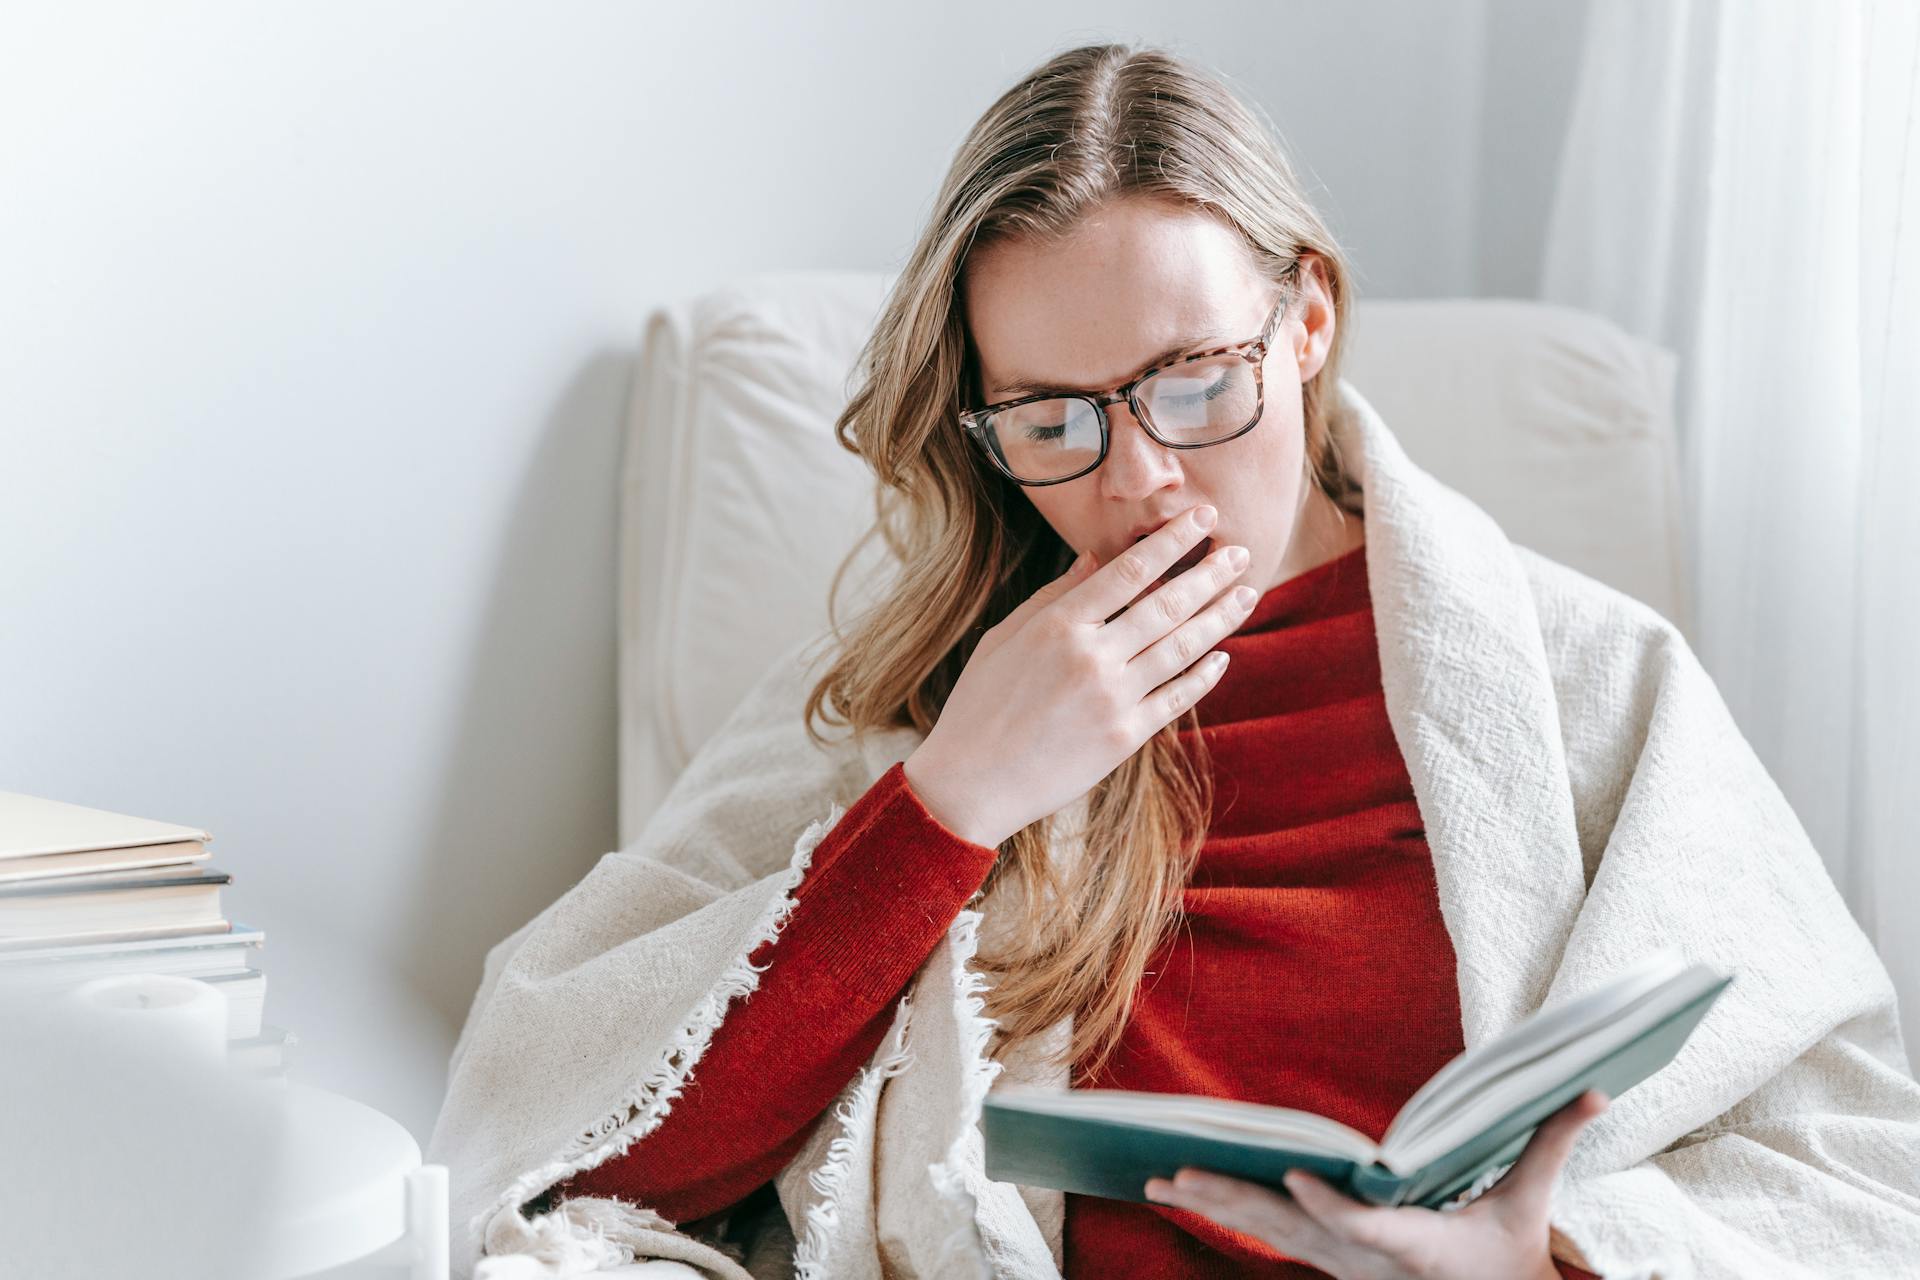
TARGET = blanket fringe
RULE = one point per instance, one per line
(574, 1240)
(812, 1257)
(646, 1103)
(963, 1248)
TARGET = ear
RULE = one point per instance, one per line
(1310, 319)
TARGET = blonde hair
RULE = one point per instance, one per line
(1090, 125)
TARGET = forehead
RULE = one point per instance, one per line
(1091, 308)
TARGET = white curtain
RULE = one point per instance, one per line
(1741, 184)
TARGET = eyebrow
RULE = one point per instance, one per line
(1028, 385)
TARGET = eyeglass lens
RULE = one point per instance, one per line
(1193, 403)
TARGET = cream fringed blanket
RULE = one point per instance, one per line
(1586, 798)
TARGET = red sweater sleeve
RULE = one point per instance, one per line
(879, 893)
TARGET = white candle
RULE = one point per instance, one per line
(158, 1013)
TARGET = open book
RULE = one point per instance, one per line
(1458, 1132)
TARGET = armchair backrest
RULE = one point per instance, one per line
(737, 504)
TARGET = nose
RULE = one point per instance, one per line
(1137, 465)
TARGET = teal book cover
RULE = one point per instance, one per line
(1475, 1116)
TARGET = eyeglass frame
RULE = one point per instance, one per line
(1253, 350)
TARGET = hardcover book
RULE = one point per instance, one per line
(111, 903)
(1455, 1136)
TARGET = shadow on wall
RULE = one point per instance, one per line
(528, 802)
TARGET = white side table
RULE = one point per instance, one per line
(354, 1203)
(129, 1148)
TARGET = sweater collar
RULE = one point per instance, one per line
(1329, 589)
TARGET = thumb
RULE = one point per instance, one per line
(1528, 1187)
(1076, 574)
(1049, 592)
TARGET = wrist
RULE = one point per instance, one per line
(931, 784)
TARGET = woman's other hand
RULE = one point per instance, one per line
(1061, 691)
(1503, 1233)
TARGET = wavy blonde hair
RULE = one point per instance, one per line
(1090, 125)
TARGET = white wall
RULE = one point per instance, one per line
(314, 322)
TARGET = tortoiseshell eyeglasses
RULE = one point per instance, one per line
(1201, 399)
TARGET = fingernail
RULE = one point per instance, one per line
(1204, 516)
(1243, 597)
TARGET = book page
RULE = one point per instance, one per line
(1531, 1038)
(1431, 1133)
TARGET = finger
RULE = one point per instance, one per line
(1528, 1187)
(1243, 1206)
(1167, 607)
(1119, 582)
(1368, 1226)
(1175, 653)
(1166, 703)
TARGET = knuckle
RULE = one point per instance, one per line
(1133, 570)
(1081, 664)
(1186, 647)
(1050, 628)
(1175, 699)
(1075, 644)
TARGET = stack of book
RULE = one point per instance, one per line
(85, 893)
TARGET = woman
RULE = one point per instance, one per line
(1439, 781)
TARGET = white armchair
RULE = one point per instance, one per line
(737, 504)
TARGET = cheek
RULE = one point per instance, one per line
(1259, 478)
(1070, 509)
(1268, 459)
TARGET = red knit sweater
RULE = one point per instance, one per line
(1313, 970)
